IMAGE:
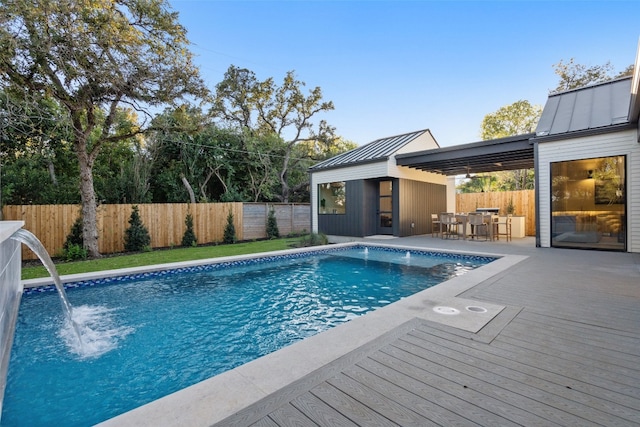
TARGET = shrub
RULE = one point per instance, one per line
(136, 237)
(189, 237)
(73, 247)
(230, 230)
(75, 252)
(272, 225)
(75, 235)
(314, 239)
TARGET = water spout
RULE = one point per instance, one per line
(29, 239)
(407, 255)
(366, 251)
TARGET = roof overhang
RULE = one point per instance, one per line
(511, 153)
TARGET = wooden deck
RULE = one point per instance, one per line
(565, 351)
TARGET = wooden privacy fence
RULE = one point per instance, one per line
(165, 222)
(524, 202)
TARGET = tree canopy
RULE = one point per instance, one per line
(95, 58)
(573, 75)
(516, 119)
(264, 108)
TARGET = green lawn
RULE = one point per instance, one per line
(162, 256)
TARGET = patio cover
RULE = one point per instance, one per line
(514, 152)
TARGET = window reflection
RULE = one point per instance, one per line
(588, 203)
(332, 198)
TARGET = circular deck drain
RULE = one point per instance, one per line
(446, 310)
(476, 309)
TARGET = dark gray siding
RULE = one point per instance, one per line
(369, 208)
(413, 202)
(357, 221)
(417, 201)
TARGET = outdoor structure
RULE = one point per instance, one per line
(586, 155)
(365, 192)
(588, 163)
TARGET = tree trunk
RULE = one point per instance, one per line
(52, 172)
(89, 206)
(283, 177)
(186, 184)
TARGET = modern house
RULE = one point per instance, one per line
(365, 192)
(586, 155)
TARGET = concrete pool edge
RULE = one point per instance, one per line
(216, 398)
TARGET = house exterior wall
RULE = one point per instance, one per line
(623, 143)
(359, 220)
(416, 202)
(354, 173)
(362, 200)
(423, 142)
(451, 194)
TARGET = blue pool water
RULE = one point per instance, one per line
(166, 331)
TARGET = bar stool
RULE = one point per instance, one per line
(435, 222)
(493, 221)
(478, 225)
(507, 227)
(448, 224)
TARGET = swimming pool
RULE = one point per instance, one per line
(269, 303)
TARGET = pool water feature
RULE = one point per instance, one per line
(176, 328)
(29, 239)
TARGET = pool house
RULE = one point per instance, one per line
(585, 152)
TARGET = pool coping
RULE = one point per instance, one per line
(216, 398)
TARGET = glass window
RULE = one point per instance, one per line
(588, 203)
(332, 198)
(386, 188)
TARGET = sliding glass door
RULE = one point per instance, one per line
(588, 203)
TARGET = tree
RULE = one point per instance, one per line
(36, 155)
(263, 108)
(136, 236)
(207, 161)
(93, 58)
(574, 75)
(189, 237)
(230, 230)
(516, 119)
(272, 225)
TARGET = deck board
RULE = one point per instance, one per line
(434, 375)
(525, 391)
(565, 351)
(550, 381)
(320, 412)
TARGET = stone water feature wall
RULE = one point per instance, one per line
(10, 293)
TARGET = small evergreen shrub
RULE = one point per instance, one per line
(189, 237)
(272, 225)
(136, 237)
(230, 230)
(73, 248)
(75, 235)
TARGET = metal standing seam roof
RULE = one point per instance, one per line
(587, 108)
(380, 149)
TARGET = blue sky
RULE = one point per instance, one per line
(392, 67)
